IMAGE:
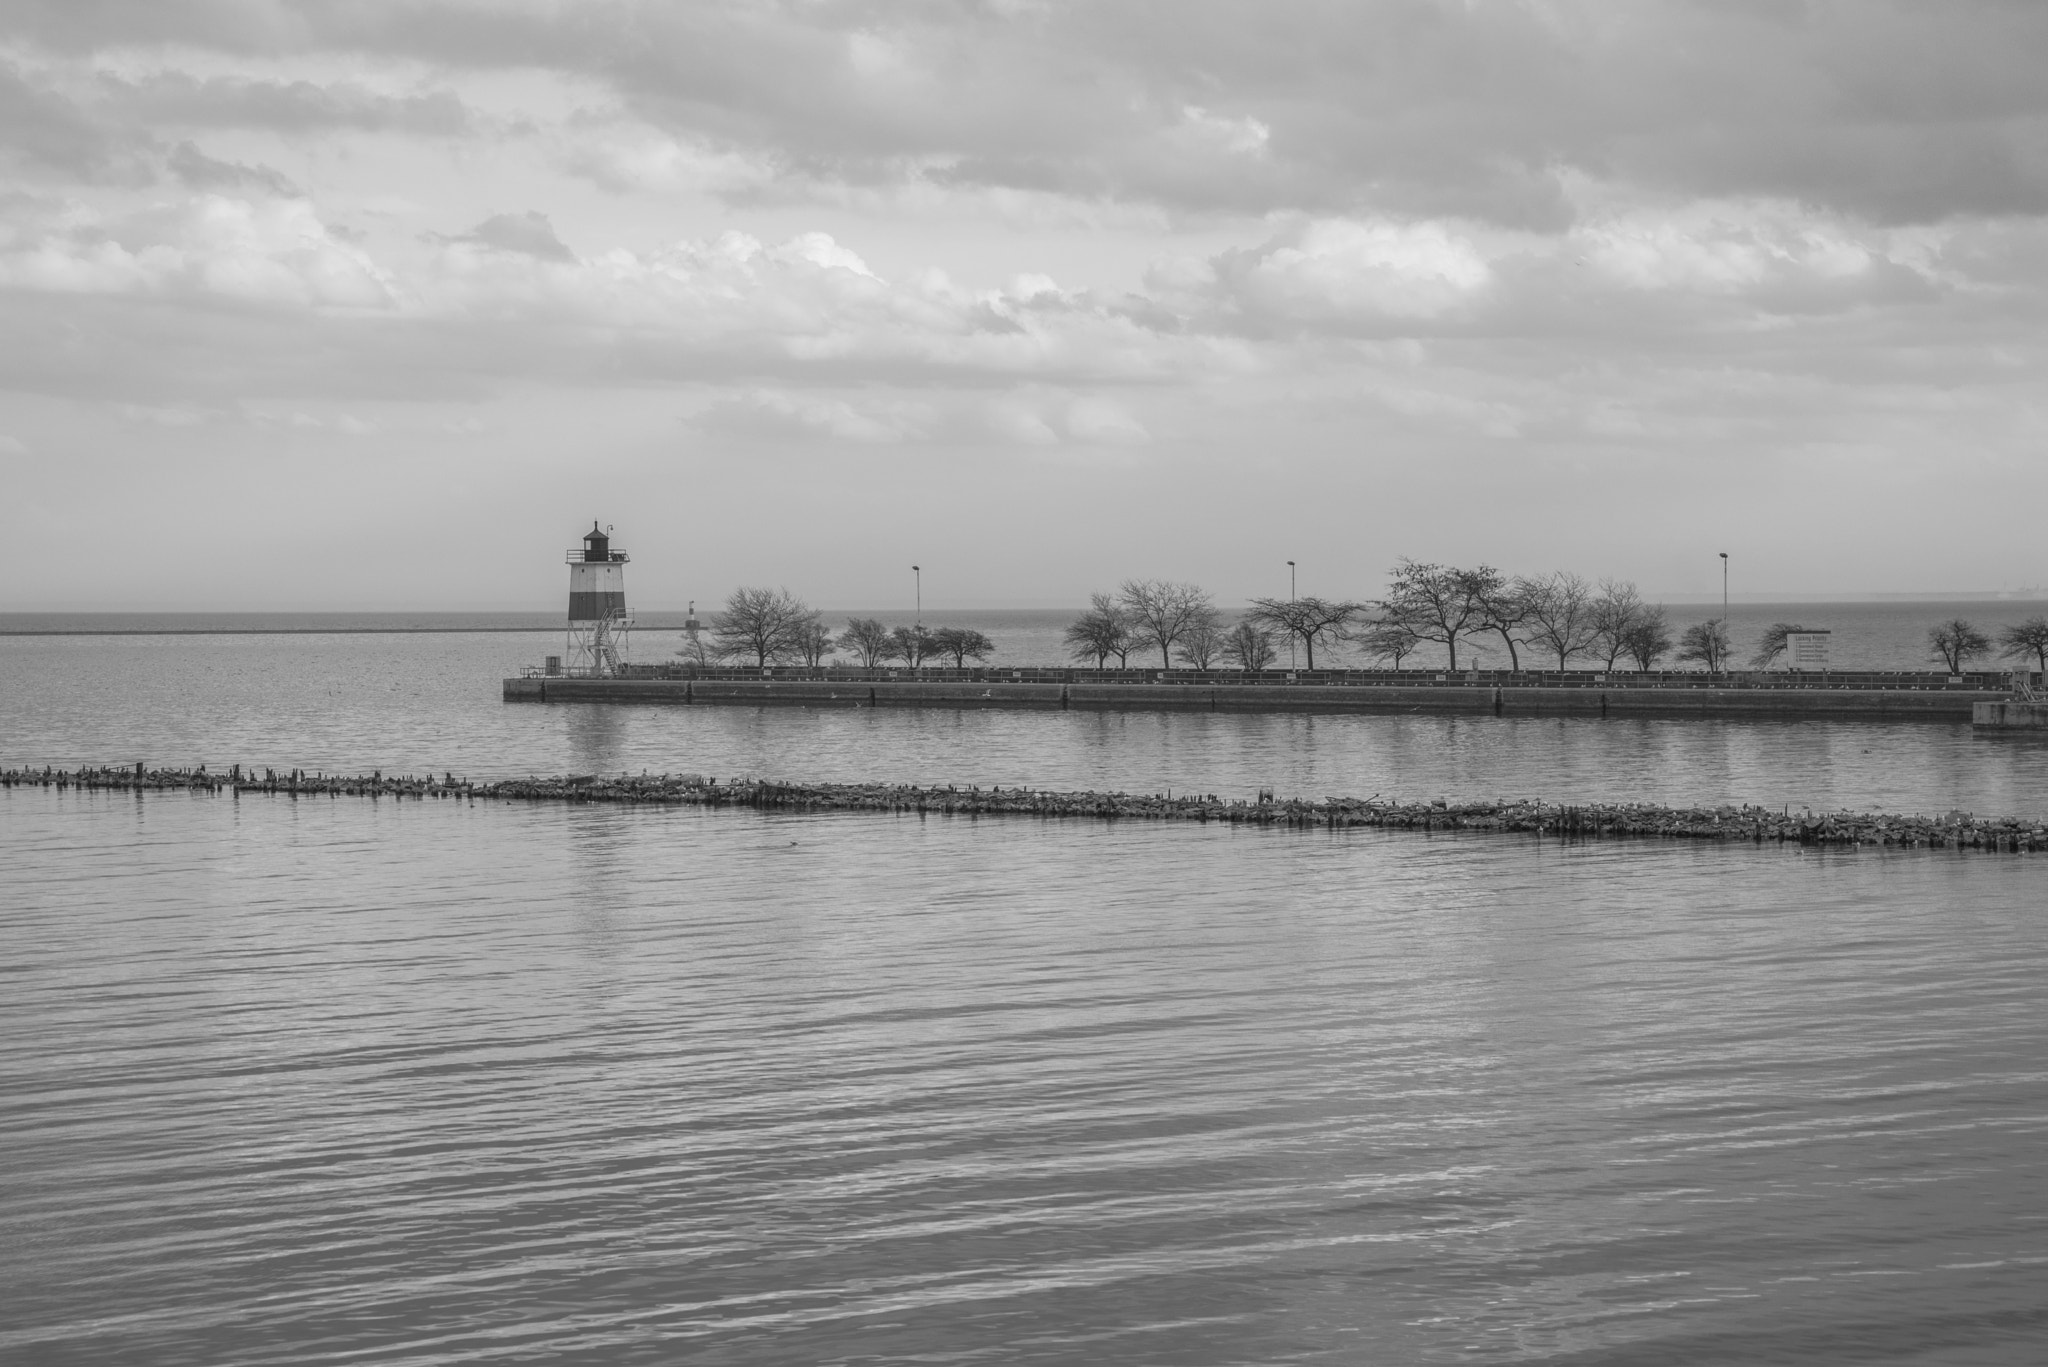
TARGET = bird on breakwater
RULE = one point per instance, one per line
(1956, 830)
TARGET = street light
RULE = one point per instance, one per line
(1290, 603)
(920, 593)
(1724, 597)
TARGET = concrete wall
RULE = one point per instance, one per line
(2010, 716)
(1903, 704)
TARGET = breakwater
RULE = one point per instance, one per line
(1671, 696)
(1745, 824)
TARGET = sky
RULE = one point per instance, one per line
(323, 304)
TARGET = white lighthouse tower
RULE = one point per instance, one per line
(598, 623)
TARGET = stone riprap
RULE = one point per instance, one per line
(1749, 824)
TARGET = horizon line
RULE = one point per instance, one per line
(980, 605)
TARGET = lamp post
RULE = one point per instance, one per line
(1724, 598)
(919, 573)
(1290, 603)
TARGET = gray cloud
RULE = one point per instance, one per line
(528, 234)
(201, 172)
(1521, 342)
(81, 26)
(44, 129)
(290, 107)
(1893, 110)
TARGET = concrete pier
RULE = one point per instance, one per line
(2010, 714)
(1666, 697)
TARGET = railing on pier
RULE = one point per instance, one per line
(1982, 681)
(587, 672)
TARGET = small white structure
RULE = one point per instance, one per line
(598, 624)
(1806, 650)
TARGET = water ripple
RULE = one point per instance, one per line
(340, 1081)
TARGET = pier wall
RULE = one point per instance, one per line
(1943, 705)
(2010, 715)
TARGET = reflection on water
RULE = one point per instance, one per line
(331, 1081)
(430, 703)
(597, 740)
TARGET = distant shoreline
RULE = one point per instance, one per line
(81, 623)
(291, 631)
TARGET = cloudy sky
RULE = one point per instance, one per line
(306, 303)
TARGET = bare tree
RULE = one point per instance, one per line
(1201, 645)
(1955, 641)
(1439, 602)
(912, 644)
(1560, 615)
(1648, 638)
(868, 640)
(1504, 606)
(1772, 645)
(1616, 612)
(763, 623)
(811, 641)
(1162, 613)
(1707, 642)
(1305, 619)
(1102, 631)
(1249, 646)
(1386, 639)
(2028, 638)
(960, 643)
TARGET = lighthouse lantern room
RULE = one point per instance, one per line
(598, 624)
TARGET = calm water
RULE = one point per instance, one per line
(414, 703)
(341, 1081)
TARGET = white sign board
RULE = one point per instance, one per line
(1806, 650)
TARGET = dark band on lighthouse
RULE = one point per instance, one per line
(597, 606)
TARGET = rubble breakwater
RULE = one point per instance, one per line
(1748, 824)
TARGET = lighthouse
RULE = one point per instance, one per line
(598, 623)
